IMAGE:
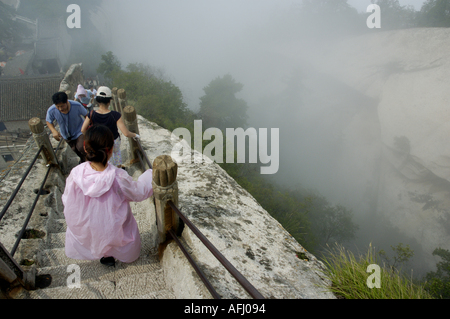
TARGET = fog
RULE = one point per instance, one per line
(278, 60)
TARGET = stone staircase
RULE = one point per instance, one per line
(144, 278)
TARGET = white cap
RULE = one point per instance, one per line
(104, 91)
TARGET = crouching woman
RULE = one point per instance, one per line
(100, 224)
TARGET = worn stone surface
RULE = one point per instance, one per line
(254, 242)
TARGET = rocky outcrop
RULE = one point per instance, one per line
(72, 78)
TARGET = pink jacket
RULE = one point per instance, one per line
(98, 214)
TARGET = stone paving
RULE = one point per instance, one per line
(144, 278)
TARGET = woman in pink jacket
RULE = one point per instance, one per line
(100, 224)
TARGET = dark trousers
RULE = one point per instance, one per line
(78, 147)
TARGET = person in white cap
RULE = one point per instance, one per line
(112, 119)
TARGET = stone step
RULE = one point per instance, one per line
(137, 286)
(143, 286)
(92, 290)
(56, 240)
(55, 257)
(144, 278)
(95, 271)
(56, 225)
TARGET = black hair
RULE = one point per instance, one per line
(103, 100)
(59, 97)
(98, 141)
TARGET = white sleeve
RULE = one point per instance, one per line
(136, 191)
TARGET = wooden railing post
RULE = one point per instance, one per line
(41, 138)
(13, 274)
(130, 119)
(165, 188)
(114, 102)
(122, 99)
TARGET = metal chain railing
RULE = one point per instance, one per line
(16, 191)
(13, 195)
(231, 269)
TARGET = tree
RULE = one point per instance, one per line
(109, 65)
(401, 255)
(395, 16)
(435, 13)
(330, 18)
(331, 223)
(220, 107)
(438, 282)
(155, 98)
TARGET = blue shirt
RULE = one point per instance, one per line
(69, 124)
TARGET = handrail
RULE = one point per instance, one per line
(195, 266)
(143, 153)
(233, 271)
(27, 220)
(13, 195)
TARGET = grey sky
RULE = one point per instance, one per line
(194, 41)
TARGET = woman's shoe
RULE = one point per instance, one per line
(108, 261)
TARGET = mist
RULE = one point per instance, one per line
(284, 66)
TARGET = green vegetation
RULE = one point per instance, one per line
(329, 19)
(435, 13)
(154, 98)
(109, 67)
(220, 107)
(348, 275)
(438, 282)
(402, 255)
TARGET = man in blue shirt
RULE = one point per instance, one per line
(70, 117)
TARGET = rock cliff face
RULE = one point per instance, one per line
(374, 127)
(254, 242)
